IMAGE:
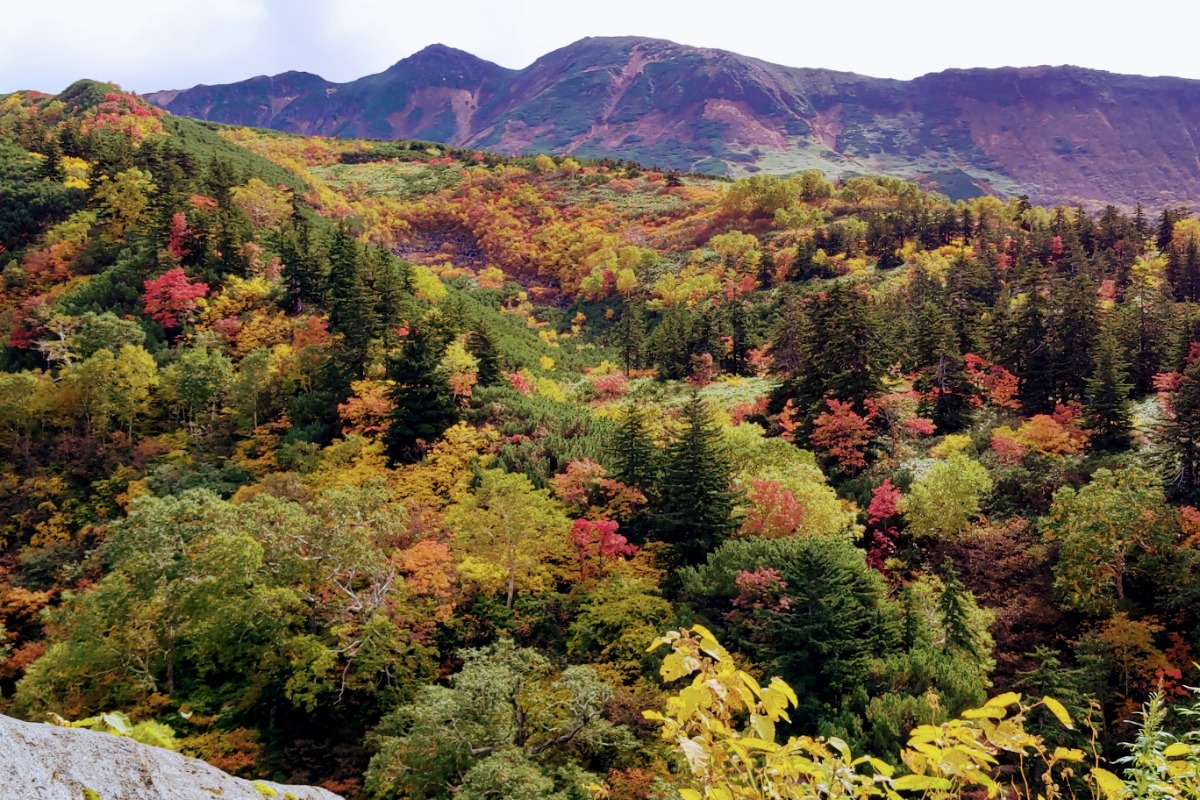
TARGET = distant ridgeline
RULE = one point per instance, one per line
(1057, 134)
(376, 465)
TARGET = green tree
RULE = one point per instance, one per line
(946, 499)
(495, 731)
(187, 607)
(1108, 396)
(696, 499)
(510, 536)
(1100, 529)
(423, 404)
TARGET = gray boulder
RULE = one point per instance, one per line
(46, 762)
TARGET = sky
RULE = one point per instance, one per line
(147, 45)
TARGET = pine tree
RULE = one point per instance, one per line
(304, 266)
(1108, 396)
(697, 503)
(424, 406)
(672, 344)
(1035, 359)
(841, 349)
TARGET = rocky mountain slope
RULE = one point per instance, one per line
(1058, 134)
(45, 762)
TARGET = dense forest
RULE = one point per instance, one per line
(380, 465)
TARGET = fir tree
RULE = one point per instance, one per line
(424, 406)
(1108, 396)
(697, 503)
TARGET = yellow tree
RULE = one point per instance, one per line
(510, 536)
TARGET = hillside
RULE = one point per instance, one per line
(1057, 134)
(378, 465)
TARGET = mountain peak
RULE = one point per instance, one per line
(1058, 134)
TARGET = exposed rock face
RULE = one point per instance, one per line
(1059, 134)
(44, 762)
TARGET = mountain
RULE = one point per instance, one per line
(1058, 134)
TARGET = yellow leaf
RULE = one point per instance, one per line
(690, 794)
(882, 767)
(1177, 749)
(1176, 768)
(1068, 754)
(1057, 709)
(990, 712)
(1110, 784)
(920, 783)
(1006, 699)
(763, 726)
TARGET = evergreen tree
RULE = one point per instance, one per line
(631, 335)
(1034, 357)
(955, 608)
(304, 265)
(424, 406)
(1108, 396)
(638, 463)
(942, 379)
(1184, 434)
(1077, 324)
(481, 345)
(672, 344)
(841, 349)
(352, 307)
(696, 504)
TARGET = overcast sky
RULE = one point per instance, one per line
(146, 45)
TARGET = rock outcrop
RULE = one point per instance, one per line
(45, 762)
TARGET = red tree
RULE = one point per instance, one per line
(171, 298)
(842, 434)
(596, 544)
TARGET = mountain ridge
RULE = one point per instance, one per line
(1060, 134)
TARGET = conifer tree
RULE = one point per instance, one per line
(1184, 433)
(955, 608)
(1035, 359)
(352, 308)
(673, 343)
(697, 503)
(631, 335)
(638, 463)
(1108, 396)
(424, 406)
(481, 345)
(1075, 330)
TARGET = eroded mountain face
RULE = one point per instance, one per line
(1058, 134)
